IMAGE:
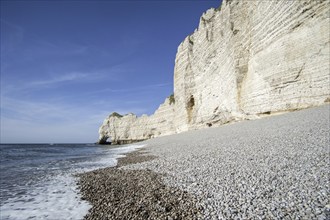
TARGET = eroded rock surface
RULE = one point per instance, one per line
(245, 59)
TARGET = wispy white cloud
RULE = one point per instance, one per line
(75, 76)
(41, 47)
(52, 81)
(55, 78)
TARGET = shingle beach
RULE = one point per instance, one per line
(272, 168)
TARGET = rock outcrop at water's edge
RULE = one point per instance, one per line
(246, 59)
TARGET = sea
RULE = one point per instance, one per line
(37, 181)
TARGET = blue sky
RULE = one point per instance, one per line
(66, 65)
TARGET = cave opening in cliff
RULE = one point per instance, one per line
(190, 106)
(191, 102)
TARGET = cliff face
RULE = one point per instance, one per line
(246, 59)
(130, 128)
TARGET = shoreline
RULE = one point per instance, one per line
(116, 193)
(271, 168)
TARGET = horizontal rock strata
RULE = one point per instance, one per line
(246, 59)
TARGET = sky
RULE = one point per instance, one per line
(67, 64)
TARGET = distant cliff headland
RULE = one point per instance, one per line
(246, 59)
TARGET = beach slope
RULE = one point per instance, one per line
(273, 168)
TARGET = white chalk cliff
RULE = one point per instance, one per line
(245, 59)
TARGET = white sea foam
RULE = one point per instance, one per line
(58, 197)
(55, 199)
(124, 150)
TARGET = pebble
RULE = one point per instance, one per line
(276, 167)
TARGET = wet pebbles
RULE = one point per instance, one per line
(134, 194)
